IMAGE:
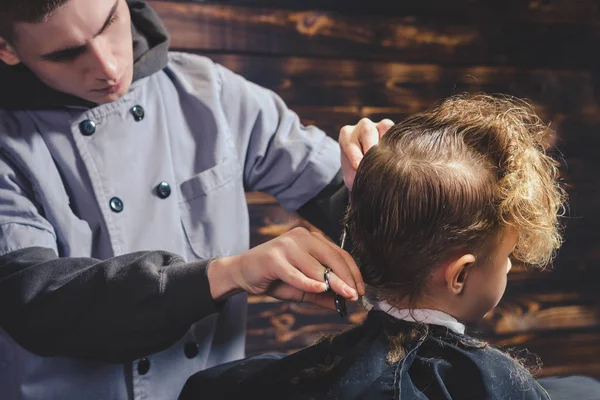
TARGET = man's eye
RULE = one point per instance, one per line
(66, 55)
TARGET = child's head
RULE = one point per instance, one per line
(440, 204)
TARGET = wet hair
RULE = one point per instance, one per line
(450, 180)
(33, 11)
(443, 182)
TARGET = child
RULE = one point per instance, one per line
(436, 212)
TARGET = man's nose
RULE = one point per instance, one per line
(106, 65)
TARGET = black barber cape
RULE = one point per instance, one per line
(438, 364)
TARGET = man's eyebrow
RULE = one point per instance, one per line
(74, 50)
(111, 14)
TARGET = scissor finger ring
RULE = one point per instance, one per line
(326, 278)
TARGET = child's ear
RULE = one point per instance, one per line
(8, 53)
(456, 273)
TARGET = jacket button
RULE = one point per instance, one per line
(87, 127)
(116, 204)
(191, 350)
(163, 190)
(143, 366)
(138, 113)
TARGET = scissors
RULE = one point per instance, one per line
(339, 301)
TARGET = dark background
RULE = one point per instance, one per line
(336, 61)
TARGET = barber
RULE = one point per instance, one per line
(124, 229)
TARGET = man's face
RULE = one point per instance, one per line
(83, 49)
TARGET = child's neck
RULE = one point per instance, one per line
(422, 315)
(425, 302)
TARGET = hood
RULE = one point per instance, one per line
(20, 89)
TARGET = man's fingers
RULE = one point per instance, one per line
(343, 281)
(306, 258)
(356, 140)
(308, 265)
(314, 269)
(351, 150)
(292, 276)
(322, 300)
(327, 254)
(366, 134)
(353, 268)
(383, 126)
(283, 291)
(348, 171)
(340, 287)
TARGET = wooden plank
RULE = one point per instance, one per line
(408, 87)
(576, 146)
(582, 142)
(528, 312)
(548, 11)
(579, 256)
(224, 28)
(562, 353)
(521, 310)
(332, 119)
(253, 198)
(286, 327)
(551, 313)
(330, 93)
(269, 220)
(564, 368)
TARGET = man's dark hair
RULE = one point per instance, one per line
(12, 11)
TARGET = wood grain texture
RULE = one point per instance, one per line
(577, 262)
(526, 313)
(249, 30)
(410, 87)
(336, 61)
(547, 11)
(269, 220)
(552, 313)
(283, 327)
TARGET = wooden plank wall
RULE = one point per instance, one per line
(336, 61)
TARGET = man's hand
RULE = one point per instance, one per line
(289, 267)
(356, 140)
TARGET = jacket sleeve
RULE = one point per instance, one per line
(282, 157)
(112, 310)
(299, 165)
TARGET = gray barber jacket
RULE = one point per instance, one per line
(163, 168)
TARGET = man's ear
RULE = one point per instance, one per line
(456, 273)
(8, 53)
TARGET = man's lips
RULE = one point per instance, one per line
(111, 89)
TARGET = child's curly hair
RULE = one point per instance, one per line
(449, 180)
